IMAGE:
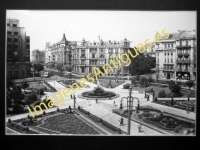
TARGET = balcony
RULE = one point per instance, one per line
(183, 46)
(93, 58)
(186, 55)
(180, 55)
(168, 69)
(182, 70)
(186, 61)
(82, 57)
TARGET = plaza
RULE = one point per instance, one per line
(104, 109)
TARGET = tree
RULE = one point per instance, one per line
(175, 88)
(59, 67)
(67, 68)
(133, 81)
(38, 67)
(190, 83)
(141, 64)
(161, 94)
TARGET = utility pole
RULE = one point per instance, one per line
(129, 112)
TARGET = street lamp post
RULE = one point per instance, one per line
(129, 111)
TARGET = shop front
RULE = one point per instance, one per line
(183, 75)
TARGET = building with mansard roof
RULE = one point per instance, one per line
(84, 55)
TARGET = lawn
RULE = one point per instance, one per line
(157, 89)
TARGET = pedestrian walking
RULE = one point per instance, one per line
(74, 101)
(147, 97)
(139, 128)
(96, 99)
(121, 121)
(120, 106)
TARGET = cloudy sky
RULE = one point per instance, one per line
(136, 26)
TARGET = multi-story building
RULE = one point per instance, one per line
(176, 56)
(18, 50)
(38, 56)
(84, 55)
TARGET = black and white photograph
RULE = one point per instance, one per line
(100, 72)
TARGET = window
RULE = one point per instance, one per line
(27, 40)
(15, 33)
(9, 32)
(180, 43)
(14, 25)
(15, 46)
(171, 45)
(171, 74)
(158, 60)
(93, 55)
(168, 45)
(164, 74)
(16, 74)
(158, 54)
(172, 54)
(15, 53)
(9, 39)
(171, 60)
(186, 43)
(9, 45)
(27, 46)
(168, 60)
(8, 24)
(94, 43)
(165, 54)
(165, 45)
(165, 60)
(168, 54)
(9, 53)
(15, 40)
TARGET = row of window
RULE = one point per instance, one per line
(9, 40)
(165, 60)
(168, 54)
(9, 46)
(14, 25)
(10, 33)
(171, 74)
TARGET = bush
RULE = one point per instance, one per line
(190, 83)
(191, 93)
(175, 88)
(126, 86)
(137, 78)
(170, 95)
(161, 94)
(149, 89)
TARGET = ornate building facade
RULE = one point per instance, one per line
(84, 55)
(176, 56)
(18, 50)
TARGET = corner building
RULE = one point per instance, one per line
(176, 56)
(18, 50)
(84, 55)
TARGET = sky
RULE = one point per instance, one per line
(49, 25)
